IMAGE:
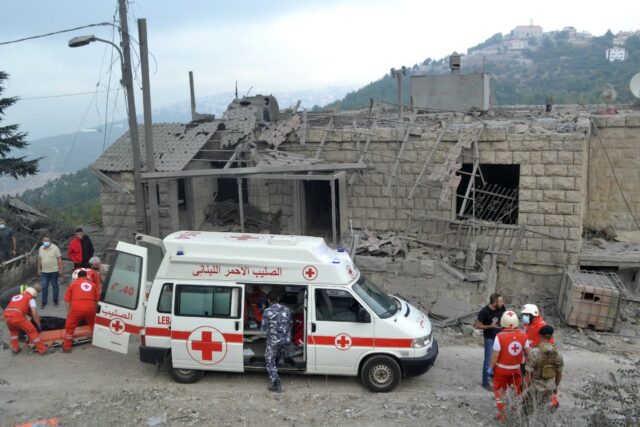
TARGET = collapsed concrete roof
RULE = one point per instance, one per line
(175, 145)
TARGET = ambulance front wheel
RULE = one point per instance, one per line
(381, 374)
(185, 376)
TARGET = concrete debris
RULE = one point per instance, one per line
(445, 308)
(224, 216)
(238, 124)
(277, 134)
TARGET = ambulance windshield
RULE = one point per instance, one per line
(382, 304)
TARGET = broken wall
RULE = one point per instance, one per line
(616, 139)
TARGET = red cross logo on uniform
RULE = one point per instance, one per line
(310, 272)
(85, 286)
(244, 237)
(515, 348)
(206, 345)
(16, 298)
(343, 342)
(116, 326)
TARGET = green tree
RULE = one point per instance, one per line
(11, 139)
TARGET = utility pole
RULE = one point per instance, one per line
(398, 74)
(127, 81)
(152, 185)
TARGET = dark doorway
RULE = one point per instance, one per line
(494, 200)
(228, 190)
(317, 197)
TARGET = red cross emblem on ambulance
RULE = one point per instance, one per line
(515, 348)
(310, 272)
(243, 237)
(206, 345)
(351, 271)
(116, 326)
(343, 342)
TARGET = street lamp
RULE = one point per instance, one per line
(127, 82)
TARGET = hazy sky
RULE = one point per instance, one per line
(271, 46)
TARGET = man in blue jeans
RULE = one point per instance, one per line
(49, 269)
(489, 321)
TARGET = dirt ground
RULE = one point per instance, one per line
(96, 387)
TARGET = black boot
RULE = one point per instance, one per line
(275, 387)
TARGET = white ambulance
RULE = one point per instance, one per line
(196, 298)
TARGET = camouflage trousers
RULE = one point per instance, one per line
(272, 355)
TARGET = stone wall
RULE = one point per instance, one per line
(552, 181)
(619, 137)
(118, 209)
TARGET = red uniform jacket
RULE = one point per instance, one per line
(75, 251)
(92, 275)
(532, 330)
(82, 294)
(512, 345)
(21, 302)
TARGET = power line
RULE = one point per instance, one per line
(62, 95)
(56, 32)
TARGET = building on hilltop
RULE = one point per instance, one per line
(613, 54)
(526, 31)
(515, 44)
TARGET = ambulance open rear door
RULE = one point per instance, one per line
(121, 308)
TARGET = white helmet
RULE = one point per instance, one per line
(32, 291)
(509, 320)
(531, 309)
(74, 275)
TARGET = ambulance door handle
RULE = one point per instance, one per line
(237, 325)
(313, 327)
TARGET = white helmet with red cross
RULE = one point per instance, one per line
(531, 309)
(509, 320)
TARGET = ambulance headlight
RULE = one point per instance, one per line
(421, 342)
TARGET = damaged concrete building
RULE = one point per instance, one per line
(457, 204)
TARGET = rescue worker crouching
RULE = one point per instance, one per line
(543, 372)
(81, 298)
(276, 323)
(15, 314)
(508, 353)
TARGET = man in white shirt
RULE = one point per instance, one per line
(49, 269)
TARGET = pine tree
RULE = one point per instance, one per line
(11, 139)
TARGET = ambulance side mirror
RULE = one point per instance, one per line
(363, 316)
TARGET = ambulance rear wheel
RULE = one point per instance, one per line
(185, 376)
(380, 374)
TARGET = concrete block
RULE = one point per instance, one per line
(536, 157)
(499, 146)
(572, 220)
(544, 183)
(555, 170)
(521, 157)
(427, 267)
(494, 134)
(410, 267)
(534, 244)
(527, 182)
(525, 195)
(599, 121)
(537, 195)
(525, 207)
(554, 220)
(537, 170)
(565, 157)
(575, 170)
(504, 157)
(543, 257)
(555, 145)
(573, 246)
(549, 157)
(576, 145)
(371, 263)
(536, 145)
(535, 219)
(564, 183)
(632, 120)
(553, 245)
(547, 207)
(617, 120)
(564, 208)
(525, 169)
(573, 196)
(578, 157)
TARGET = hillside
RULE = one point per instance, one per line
(569, 68)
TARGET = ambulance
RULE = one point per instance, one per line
(195, 298)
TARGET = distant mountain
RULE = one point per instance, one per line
(567, 65)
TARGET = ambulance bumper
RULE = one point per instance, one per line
(414, 366)
(152, 354)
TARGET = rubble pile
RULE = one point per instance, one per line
(225, 216)
(29, 225)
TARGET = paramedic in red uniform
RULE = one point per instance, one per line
(508, 353)
(532, 321)
(15, 314)
(92, 275)
(81, 298)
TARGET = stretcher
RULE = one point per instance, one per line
(53, 332)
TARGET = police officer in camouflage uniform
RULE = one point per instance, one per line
(543, 373)
(276, 323)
